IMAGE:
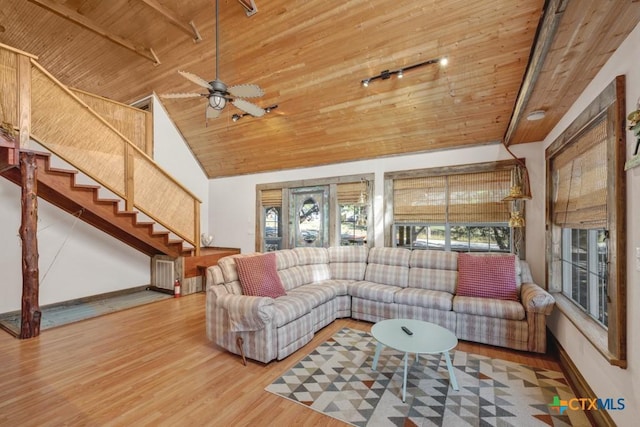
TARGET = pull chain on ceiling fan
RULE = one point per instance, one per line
(219, 94)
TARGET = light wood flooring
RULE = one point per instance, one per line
(153, 365)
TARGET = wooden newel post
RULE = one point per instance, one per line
(30, 325)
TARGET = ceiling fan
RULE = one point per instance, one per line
(219, 93)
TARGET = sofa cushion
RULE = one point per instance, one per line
(433, 270)
(487, 276)
(314, 263)
(374, 291)
(312, 255)
(341, 287)
(286, 258)
(348, 262)
(424, 298)
(292, 277)
(389, 266)
(503, 309)
(258, 276)
(291, 307)
(318, 294)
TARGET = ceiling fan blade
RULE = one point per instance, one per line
(248, 107)
(182, 95)
(246, 91)
(195, 79)
(212, 113)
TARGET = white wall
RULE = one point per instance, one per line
(174, 155)
(606, 380)
(77, 260)
(232, 219)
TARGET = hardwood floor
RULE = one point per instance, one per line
(153, 365)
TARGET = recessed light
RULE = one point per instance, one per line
(536, 115)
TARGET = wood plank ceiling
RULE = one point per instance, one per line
(310, 56)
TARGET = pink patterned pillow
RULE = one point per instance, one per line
(487, 276)
(259, 277)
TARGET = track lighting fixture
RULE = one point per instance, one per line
(268, 109)
(386, 74)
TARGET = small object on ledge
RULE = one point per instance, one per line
(206, 240)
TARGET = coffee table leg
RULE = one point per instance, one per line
(452, 375)
(376, 356)
(404, 382)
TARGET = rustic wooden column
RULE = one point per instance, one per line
(31, 314)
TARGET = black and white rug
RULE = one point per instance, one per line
(336, 379)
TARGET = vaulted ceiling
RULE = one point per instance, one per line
(506, 59)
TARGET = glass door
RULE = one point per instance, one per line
(309, 216)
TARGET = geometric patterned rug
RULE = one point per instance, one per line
(336, 379)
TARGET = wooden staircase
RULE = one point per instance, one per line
(59, 187)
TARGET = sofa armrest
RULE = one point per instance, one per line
(247, 313)
(535, 299)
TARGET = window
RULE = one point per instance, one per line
(353, 208)
(586, 216)
(584, 270)
(272, 220)
(317, 212)
(453, 209)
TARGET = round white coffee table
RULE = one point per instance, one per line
(427, 338)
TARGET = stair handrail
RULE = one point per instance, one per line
(130, 150)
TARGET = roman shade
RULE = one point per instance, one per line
(456, 198)
(579, 175)
(270, 198)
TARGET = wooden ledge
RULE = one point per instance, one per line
(595, 333)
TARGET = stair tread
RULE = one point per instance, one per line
(62, 171)
(86, 187)
(70, 196)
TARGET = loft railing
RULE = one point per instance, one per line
(38, 106)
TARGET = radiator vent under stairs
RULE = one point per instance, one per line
(164, 274)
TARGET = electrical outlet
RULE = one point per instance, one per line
(637, 259)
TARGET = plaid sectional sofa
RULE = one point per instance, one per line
(323, 284)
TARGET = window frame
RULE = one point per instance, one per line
(389, 177)
(333, 208)
(610, 341)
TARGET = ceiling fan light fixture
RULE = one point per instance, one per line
(365, 83)
(444, 61)
(400, 74)
(217, 101)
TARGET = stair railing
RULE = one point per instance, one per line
(42, 108)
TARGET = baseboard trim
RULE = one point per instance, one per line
(580, 387)
(90, 298)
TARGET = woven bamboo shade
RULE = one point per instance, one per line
(8, 87)
(271, 198)
(580, 180)
(478, 197)
(463, 198)
(420, 199)
(349, 193)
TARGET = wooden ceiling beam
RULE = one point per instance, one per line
(190, 29)
(83, 21)
(546, 33)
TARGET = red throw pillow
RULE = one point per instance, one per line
(259, 277)
(487, 276)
